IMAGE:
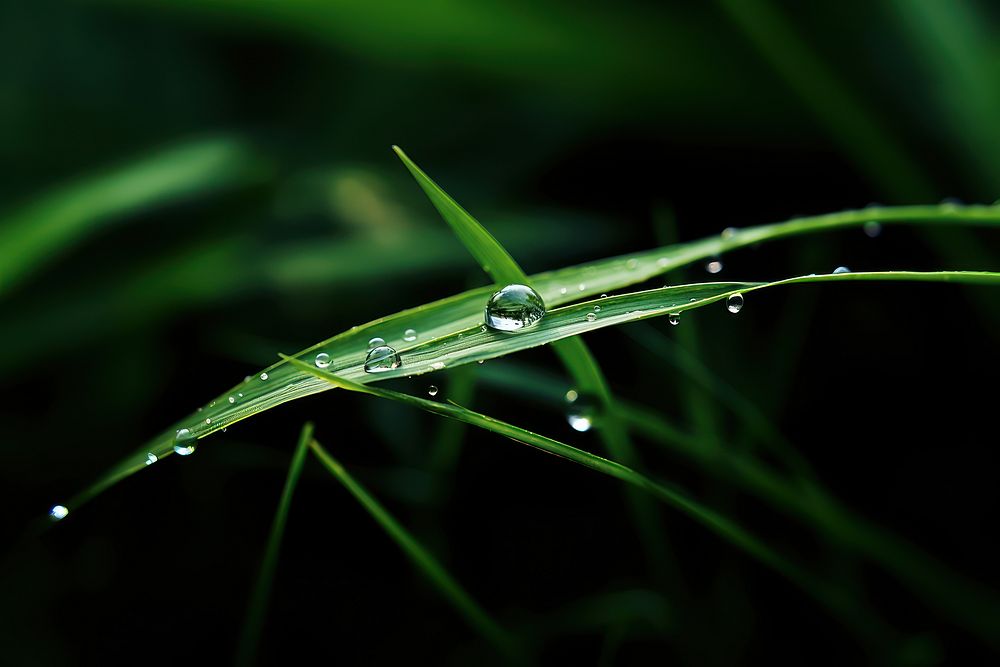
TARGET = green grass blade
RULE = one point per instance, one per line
(39, 231)
(285, 382)
(492, 256)
(725, 528)
(452, 591)
(250, 637)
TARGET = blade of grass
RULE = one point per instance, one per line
(39, 231)
(250, 637)
(729, 531)
(573, 352)
(452, 591)
(285, 382)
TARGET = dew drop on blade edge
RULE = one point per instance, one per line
(734, 303)
(322, 360)
(513, 308)
(381, 359)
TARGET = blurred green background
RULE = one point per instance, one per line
(192, 186)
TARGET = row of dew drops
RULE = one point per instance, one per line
(509, 310)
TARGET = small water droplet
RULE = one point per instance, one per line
(581, 411)
(729, 233)
(410, 335)
(841, 269)
(597, 309)
(582, 286)
(438, 365)
(562, 290)
(632, 264)
(734, 303)
(481, 361)
(240, 394)
(58, 512)
(714, 266)
(381, 359)
(872, 229)
(591, 317)
(513, 308)
(232, 399)
(432, 390)
(208, 420)
(246, 378)
(185, 443)
(263, 376)
(674, 319)
(951, 204)
(322, 360)
(604, 296)
(151, 458)
(375, 342)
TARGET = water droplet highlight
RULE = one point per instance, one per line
(410, 335)
(591, 317)
(562, 290)
(513, 308)
(232, 399)
(674, 319)
(322, 360)
(432, 391)
(58, 512)
(841, 269)
(381, 359)
(263, 377)
(208, 420)
(185, 443)
(581, 411)
(734, 303)
(151, 458)
(597, 309)
(714, 266)
(375, 342)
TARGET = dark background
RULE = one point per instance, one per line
(574, 133)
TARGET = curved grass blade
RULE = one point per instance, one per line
(250, 637)
(465, 342)
(39, 231)
(853, 615)
(480, 621)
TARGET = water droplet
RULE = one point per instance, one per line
(246, 378)
(597, 309)
(632, 264)
(151, 458)
(232, 399)
(581, 411)
(513, 308)
(674, 319)
(208, 420)
(240, 394)
(951, 203)
(582, 286)
(58, 512)
(263, 376)
(438, 365)
(185, 443)
(381, 359)
(481, 361)
(734, 303)
(432, 390)
(322, 360)
(841, 269)
(562, 290)
(714, 266)
(410, 335)
(729, 233)
(591, 317)
(872, 229)
(604, 296)
(375, 342)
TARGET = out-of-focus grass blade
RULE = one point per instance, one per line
(250, 637)
(466, 342)
(722, 526)
(449, 587)
(39, 231)
(573, 352)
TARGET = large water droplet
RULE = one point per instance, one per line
(151, 458)
(872, 229)
(734, 303)
(581, 411)
(322, 360)
(410, 335)
(513, 308)
(591, 317)
(714, 266)
(381, 359)
(841, 269)
(674, 319)
(375, 342)
(185, 443)
(263, 377)
(58, 512)
(432, 390)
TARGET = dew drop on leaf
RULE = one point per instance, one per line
(410, 335)
(58, 512)
(381, 359)
(513, 308)
(185, 443)
(734, 303)
(322, 360)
